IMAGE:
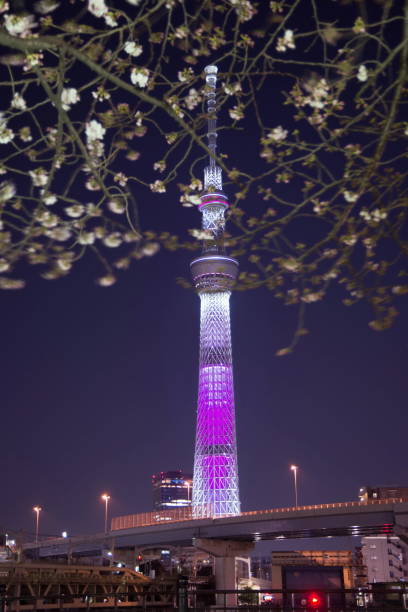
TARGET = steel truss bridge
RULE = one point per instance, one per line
(46, 586)
(157, 529)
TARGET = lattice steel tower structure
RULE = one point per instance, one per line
(215, 480)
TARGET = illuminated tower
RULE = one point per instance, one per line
(215, 480)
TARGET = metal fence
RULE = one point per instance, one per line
(185, 597)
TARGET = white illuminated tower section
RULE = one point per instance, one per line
(215, 480)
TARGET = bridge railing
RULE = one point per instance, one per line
(146, 519)
(370, 502)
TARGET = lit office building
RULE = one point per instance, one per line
(386, 492)
(171, 490)
(386, 558)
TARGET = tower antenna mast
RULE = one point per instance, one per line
(212, 173)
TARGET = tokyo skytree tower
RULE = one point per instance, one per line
(215, 481)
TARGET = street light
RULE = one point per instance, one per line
(106, 499)
(37, 510)
(294, 469)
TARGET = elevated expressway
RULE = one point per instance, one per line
(155, 529)
(230, 537)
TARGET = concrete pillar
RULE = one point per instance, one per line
(401, 523)
(224, 552)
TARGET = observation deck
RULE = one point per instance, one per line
(214, 272)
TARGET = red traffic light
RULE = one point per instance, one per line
(314, 600)
(268, 597)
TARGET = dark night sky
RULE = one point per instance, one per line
(99, 391)
(99, 387)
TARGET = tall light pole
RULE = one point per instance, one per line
(294, 469)
(37, 510)
(106, 499)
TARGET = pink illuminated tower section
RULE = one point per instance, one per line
(215, 480)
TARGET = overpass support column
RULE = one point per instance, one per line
(401, 523)
(224, 552)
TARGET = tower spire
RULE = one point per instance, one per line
(215, 481)
(212, 173)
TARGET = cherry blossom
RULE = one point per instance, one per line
(193, 99)
(92, 210)
(69, 96)
(7, 190)
(133, 48)
(185, 75)
(76, 210)
(60, 234)
(49, 199)
(349, 196)
(94, 130)
(4, 265)
(362, 73)
(86, 238)
(158, 186)
(278, 134)
(291, 265)
(6, 134)
(97, 7)
(101, 94)
(201, 234)
(120, 178)
(46, 6)
(236, 112)
(160, 166)
(150, 248)
(25, 134)
(64, 264)
(106, 281)
(18, 102)
(190, 199)
(39, 176)
(232, 88)
(375, 216)
(311, 297)
(112, 240)
(245, 9)
(286, 41)
(11, 283)
(110, 19)
(116, 206)
(31, 60)
(19, 25)
(139, 76)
